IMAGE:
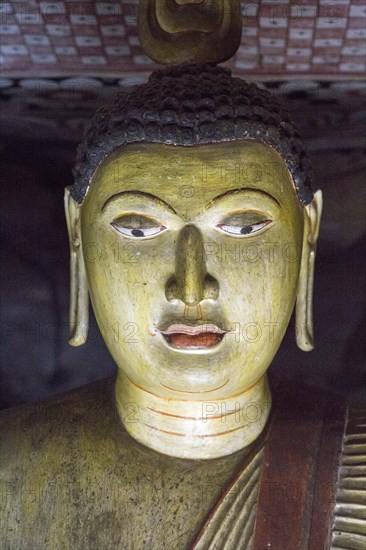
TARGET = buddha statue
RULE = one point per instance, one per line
(193, 230)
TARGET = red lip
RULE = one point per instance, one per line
(194, 337)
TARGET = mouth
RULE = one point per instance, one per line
(193, 337)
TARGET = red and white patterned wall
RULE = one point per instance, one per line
(281, 38)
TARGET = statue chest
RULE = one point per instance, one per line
(73, 478)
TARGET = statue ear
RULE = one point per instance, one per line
(79, 298)
(304, 303)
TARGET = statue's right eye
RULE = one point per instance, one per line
(138, 226)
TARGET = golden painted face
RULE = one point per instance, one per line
(192, 257)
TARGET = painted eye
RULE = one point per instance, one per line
(240, 224)
(138, 226)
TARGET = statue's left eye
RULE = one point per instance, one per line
(138, 226)
(240, 224)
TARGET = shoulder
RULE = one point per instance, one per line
(54, 455)
(349, 521)
(305, 403)
(312, 458)
(35, 432)
(66, 407)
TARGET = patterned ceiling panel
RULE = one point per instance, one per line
(281, 38)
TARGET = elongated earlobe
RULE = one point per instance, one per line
(304, 303)
(79, 298)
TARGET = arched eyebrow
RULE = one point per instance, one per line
(233, 191)
(138, 193)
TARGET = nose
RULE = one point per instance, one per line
(191, 283)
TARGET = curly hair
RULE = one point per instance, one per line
(190, 105)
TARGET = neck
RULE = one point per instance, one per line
(193, 429)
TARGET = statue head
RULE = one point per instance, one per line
(193, 228)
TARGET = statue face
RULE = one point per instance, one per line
(192, 256)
